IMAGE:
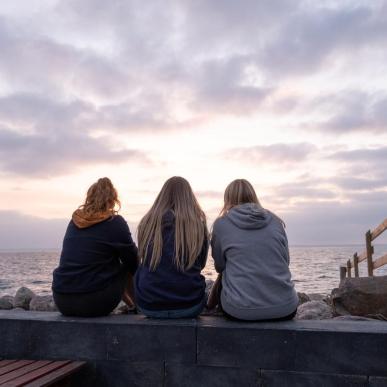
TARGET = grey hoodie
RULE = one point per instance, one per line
(250, 249)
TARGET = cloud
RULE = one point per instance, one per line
(59, 153)
(312, 34)
(353, 111)
(336, 222)
(23, 231)
(223, 85)
(363, 155)
(279, 153)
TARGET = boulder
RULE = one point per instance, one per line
(23, 298)
(6, 302)
(302, 298)
(316, 297)
(43, 304)
(314, 310)
(361, 296)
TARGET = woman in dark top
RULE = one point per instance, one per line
(173, 246)
(98, 258)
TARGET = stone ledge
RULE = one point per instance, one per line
(127, 347)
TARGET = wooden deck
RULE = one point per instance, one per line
(34, 373)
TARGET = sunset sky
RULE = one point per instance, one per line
(291, 95)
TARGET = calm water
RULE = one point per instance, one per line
(315, 269)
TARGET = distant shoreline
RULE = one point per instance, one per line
(35, 249)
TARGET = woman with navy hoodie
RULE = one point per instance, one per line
(250, 250)
(173, 246)
(98, 257)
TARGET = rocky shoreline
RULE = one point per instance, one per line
(339, 305)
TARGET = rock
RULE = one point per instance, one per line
(43, 304)
(23, 298)
(6, 302)
(361, 296)
(316, 296)
(314, 310)
(18, 310)
(302, 298)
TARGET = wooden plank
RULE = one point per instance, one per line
(58, 374)
(369, 254)
(362, 257)
(378, 230)
(15, 366)
(3, 363)
(356, 264)
(380, 261)
(34, 376)
(23, 371)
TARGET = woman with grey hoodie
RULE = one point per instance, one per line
(250, 250)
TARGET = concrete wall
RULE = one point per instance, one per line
(135, 351)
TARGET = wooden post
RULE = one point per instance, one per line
(349, 268)
(370, 251)
(343, 272)
(356, 264)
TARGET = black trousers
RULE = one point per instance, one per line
(94, 304)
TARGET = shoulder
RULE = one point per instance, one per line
(118, 221)
(219, 224)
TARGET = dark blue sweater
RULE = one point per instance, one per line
(93, 257)
(167, 288)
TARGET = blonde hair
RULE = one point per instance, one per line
(101, 197)
(239, 191)
(190, 225)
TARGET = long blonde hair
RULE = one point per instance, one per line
(101, 197)
(239, 191)
(190, 225)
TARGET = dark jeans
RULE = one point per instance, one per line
(93, 304)
(192, 312)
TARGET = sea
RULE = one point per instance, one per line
(315, 269)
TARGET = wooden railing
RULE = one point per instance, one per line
(370, 236)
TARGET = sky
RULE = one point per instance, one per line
(291, 95)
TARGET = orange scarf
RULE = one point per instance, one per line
(82, 220)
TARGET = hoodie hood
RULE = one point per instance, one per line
(82, 220)
(249, 216)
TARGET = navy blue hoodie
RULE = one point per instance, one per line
(168, 288)
(94, 257)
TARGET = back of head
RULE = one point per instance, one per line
(101, 198)
(238, 192)
(177, 196)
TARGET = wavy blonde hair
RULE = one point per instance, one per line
(239, 191)
(101, 197)
(190, 225)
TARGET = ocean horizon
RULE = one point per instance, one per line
(315, 268)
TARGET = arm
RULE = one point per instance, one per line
(125, 246)
(217, 252)
(202, 259)
(287, 254)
